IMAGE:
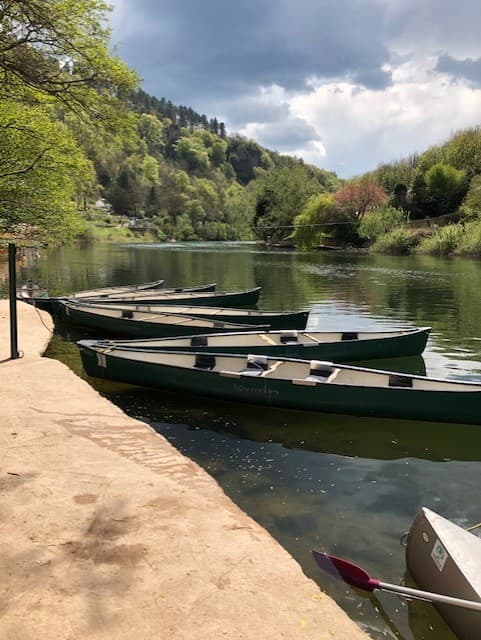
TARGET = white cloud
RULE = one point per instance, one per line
(314, 152)
(361, 128)
(254, 69)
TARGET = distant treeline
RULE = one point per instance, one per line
(180, 116)
(185, 178)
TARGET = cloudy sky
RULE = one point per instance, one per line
(344, 84)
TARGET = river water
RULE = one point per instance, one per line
(347, 485)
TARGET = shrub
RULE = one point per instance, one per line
(443, 241)
(382, 221)
(397, 241)
(470, 241)
(322, 220)
(471, 207)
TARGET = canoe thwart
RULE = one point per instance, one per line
(204, 361)
(289, 336)
(321, 369)
(400, 381)
(349, 335)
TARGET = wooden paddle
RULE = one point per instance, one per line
(358, 577)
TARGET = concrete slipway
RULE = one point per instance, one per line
(108, 532)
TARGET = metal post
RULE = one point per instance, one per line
(12, 289)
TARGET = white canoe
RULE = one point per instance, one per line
(445, 558)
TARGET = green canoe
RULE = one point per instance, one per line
(47, 303)
(31, 293)
(268, 319)
(345, 346)
(31, 290)
(298, 384)
(121, 322)
(242, 298)
(142, 290)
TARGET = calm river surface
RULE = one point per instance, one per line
(351, 486)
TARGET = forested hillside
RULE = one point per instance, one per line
(187, 179)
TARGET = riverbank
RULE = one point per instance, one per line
(107, 531)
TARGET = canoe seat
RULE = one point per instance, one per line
(256, 362)
(288, 336)
(320, 372)
(350, 335)
(400, 381)
(321, 369)
(204, 361)
(199, 341)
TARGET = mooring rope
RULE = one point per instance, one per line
(40, 316)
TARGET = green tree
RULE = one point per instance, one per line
(246, 156)
(389, 175)
(400, 197)
(206, 192)
(42, 173)
(150, 171)
(463, 151)
(192, 154)
(151, 130)
(445, 186)
(183, 228)
(281, 195)
(472, 202)
(217, 153)
(419, 202)
(60, 79)
(238, 206)
(315, 221)
(61, 48)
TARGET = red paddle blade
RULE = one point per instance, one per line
(348, 571)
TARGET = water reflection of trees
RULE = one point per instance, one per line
(75, 268)
(426, 291)
(418, 290)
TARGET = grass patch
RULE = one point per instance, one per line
(94, 233)
(443, 241)
(380, 222)
(470, 241)
(399, 241)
